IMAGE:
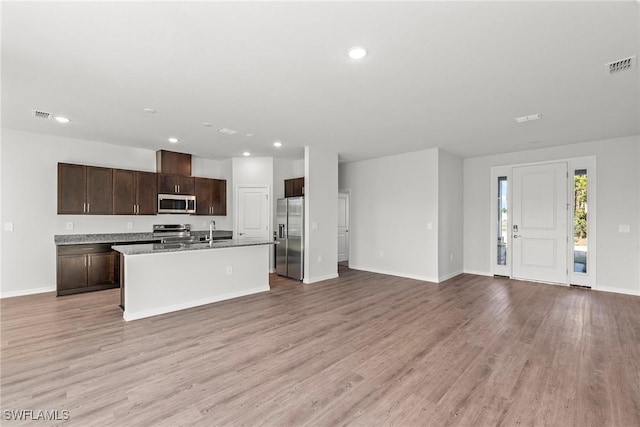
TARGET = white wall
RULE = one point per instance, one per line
(392, 201)
(320, 215)
(618, 202)
(298, 168)
(450, 206)
(29, 201)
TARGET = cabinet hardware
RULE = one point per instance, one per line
(178, 188)
(85, 260)
(88, 207)
(89, 260)
(84, 207)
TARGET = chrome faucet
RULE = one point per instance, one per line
(212, 226)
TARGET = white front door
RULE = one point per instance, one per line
(539, 224)
(343, 227)
(252, 220)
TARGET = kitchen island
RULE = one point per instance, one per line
(160, 278)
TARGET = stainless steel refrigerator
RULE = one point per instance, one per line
(290, 247)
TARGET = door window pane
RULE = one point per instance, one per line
(580, 246)
(503, 216)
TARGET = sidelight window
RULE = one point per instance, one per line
(580, 221)
(502, 226)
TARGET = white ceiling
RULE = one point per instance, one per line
(439, 74)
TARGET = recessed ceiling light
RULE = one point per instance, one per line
(207, 124)
(173, 140)
(357, 52)
(61, 119)
(149, 110)
(246, 154)
(277, 144)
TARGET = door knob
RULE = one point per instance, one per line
(515, 236)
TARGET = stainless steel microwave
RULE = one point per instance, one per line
(176, 204)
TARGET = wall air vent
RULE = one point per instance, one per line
(623, 64)
(42, 114)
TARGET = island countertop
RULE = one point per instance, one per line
(154, 248)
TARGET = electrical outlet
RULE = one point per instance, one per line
(451, 256)
(429, 226)
(8, 226)
(129, 225)
(229, 270)
(69, 225)
(624, 228)
(381, 254)
(319, 258)
(314, 225)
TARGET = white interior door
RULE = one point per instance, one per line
(252, 220)
(539, 225)
(343, 227)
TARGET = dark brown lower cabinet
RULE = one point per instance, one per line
(84, 268)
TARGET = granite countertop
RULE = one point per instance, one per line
(80, 239)
(155, 248)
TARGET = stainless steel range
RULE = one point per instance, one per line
(174, 233)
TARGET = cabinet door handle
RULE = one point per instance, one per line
(84, 207)
(85, 260)
(137, 209)
(88, 207)
(178, 188)
(89, 260)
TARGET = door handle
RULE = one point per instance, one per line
(515, 236)
(240, 234)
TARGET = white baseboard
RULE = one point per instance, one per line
(618, 291)
(190, 304)
(449, 276)
(23, 292)
(272, 270)
(319, 279)
(395, 273)
(478, 272)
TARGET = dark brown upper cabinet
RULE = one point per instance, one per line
(220, 197)
(134, 193)
(175, 184)
(173, 163)
(294, 187)
(84, 190)
(211, 196)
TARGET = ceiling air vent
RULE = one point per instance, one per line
(623, 64)
(42, 114)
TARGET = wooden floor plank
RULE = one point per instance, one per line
(364, 349)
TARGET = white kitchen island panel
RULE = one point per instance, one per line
(158, 283)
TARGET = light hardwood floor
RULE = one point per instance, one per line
(365, 349)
